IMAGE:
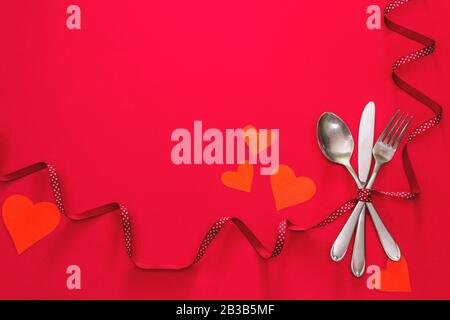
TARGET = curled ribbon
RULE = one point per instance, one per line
(429, 47)
(285, 225)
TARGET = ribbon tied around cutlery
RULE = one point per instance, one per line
(365, 195)
(284, 225)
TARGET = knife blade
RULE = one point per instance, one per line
(365, 141)
(365, 145)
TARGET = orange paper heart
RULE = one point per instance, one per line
(264, 139)
(241, 179)
(289, 190)
(396, 277)
(27, 223)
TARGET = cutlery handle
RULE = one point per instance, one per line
(376, 169)
(354, 175)
(342, 241)
(389, 245)
(358, 264)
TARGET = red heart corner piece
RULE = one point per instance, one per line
(396, 277)
(289, 190)
(26, 222)
(241, 179)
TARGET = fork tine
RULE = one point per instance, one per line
(397, 130)
(383, 134)
(400, 136)
(393, 128)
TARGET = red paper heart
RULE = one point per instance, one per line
(241, 179)
(289, 190)
(27, 223)
(396, 277)
(264, 140)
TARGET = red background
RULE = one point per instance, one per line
(100, 104)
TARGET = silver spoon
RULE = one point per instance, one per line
(336, 142)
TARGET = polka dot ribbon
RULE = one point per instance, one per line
(429, 47)
(285, 225)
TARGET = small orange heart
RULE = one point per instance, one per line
(264, 139)
(396, 277)
(241, 179)
(289, 190)
(27, 223)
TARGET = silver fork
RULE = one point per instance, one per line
(383, 152)
(388, 142)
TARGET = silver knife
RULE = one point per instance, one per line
(365, 144)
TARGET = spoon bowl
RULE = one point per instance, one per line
(335, 139)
